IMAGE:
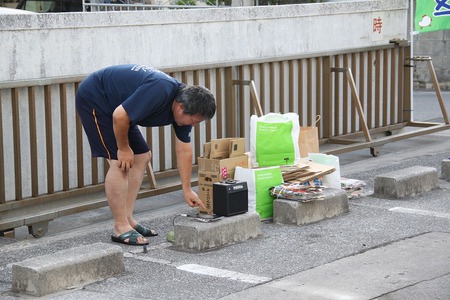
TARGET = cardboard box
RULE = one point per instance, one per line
(206, 179)
(224, 168)
(207, 150)
(237, 147)
(225, 148)
(215, 170)
(222, 156)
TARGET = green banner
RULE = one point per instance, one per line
(432, 15)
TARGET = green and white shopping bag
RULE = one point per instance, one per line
(274, 140)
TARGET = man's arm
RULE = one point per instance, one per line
(121, 125)
(184, 159)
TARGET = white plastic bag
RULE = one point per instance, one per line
(332, 180)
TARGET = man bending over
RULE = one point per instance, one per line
(111, 103)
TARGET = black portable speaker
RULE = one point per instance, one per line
(230, 198)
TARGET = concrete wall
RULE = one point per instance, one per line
(437, 46)
(53, 45)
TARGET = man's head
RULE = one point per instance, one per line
(193, 104)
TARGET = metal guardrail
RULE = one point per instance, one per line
(130, 7)
(124, 5)
(45, 165)
(136, 5)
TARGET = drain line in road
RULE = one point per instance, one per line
(420, 212)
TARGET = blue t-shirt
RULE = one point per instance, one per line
(145, 93)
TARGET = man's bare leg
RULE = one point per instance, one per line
(135, 177)
(117, 187)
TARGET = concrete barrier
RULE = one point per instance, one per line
(406, 182)
(445, 169)
(301, 213)
(193, 235)
(50, 273)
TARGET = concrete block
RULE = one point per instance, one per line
(193, 235)
(301, 213)
(445, 169)
(42, 275)
(406, 182)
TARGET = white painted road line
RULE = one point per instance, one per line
(209, 271)
(204, 270)
(420, 212)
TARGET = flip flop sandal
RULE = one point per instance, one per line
(144, 231)
(132, 237)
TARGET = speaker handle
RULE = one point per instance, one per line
(228, 180)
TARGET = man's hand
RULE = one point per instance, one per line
(193, 200)
(184, 159)
(125, 158)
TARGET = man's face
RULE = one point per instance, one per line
(183, 119)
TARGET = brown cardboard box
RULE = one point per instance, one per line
(222, 156)
(215, 170)
(207, 150)
(224, 168)
(237, 147)
(225, 148)
(206, 179)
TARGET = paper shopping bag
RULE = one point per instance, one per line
(308, 140)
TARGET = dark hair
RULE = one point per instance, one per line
(196, 100)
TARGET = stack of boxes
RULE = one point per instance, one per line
(221, 157)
